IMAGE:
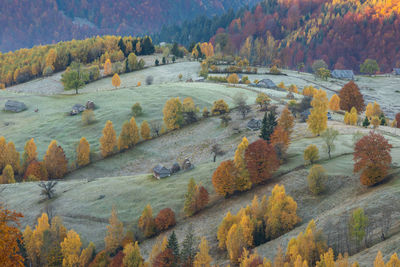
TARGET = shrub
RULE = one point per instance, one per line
(165, 219)
(316, 179)
(274, 70)
(311, 154)
(233, 78)
(88, 117)
(137, 110)
(219, 79)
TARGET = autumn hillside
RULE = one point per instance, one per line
(343, 33)
(27, 23)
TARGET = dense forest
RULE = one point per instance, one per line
(342, 33)
(26, 64)
(27, 23)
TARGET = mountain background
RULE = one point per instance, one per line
(288, 33)
(25, 23)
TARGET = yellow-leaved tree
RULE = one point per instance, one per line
(83, 152)
(172, 111)
(108, 141)
(3, 152)
(87, 255)
(55, 161)
(351, 117)
(145, 130)
(203, 258)
(124, 139)
(281, 213)
(30, 153)
(116, 80)
(132, 256)
(12, 157)
(334, 103)
(7, 176)
(317, 120)
(71, 249)
(134, 132)
(107, 67)
(115, 232)
(242, 179)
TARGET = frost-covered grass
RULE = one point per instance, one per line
(52, 121)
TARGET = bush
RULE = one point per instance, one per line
(149, 80)
(274, 70)
(311, 154)
(233, 78)
(137, 109)
(165, 219)
(88, 117)
(218, 79)
(316, 179)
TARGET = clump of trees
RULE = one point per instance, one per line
(196, 198)
(258, 223)
(150, 226)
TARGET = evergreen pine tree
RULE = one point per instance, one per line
(188, 251)
(268, 125)
(174, 246)
(366, 122)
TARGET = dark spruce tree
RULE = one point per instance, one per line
(188, 250)
(174, 246)
(268, 125)
(366, 122)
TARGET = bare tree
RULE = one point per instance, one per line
(155, 127)
(48, 188)
(225, 119)
(386, 223)
(329, 137)
(369, 228)
(216, 151)
(240, 101)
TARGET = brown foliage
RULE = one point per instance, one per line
(224, 178)
(10, 237)
(261, 161)
(55, 161)
(398, 120)
(165, 219)
(165, 259)
(350, 96)
(372, 157)
(36, 169)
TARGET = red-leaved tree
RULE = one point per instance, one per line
(261, 161)
(372, 158)
(165, 219)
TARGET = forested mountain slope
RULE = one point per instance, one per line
(27, 23)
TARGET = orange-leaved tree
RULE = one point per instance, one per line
(116, 80)
(55, 161)
(372, 158)
(83, 152)
(224, 178)
(108, 141)
(261, 161)
(286, 120)
(124, 139)
(10, 238)
(350, 96)
(145, 130)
